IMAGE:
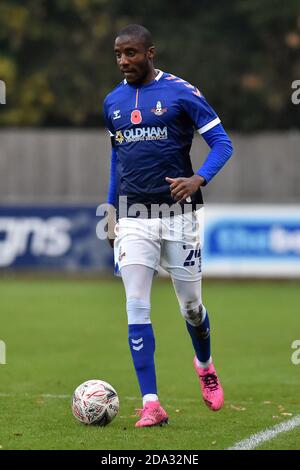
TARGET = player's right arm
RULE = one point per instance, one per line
(112, 197)
(112, 187)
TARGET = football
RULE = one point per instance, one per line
(95, 402)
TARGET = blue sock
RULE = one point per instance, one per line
(142, 347)
(200, 336)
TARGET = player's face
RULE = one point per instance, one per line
(134, 59)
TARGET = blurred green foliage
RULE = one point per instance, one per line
(56, 57)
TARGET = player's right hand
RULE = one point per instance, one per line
(182, 188)
(111, 220)
(111, 241)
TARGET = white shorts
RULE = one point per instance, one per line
(174, 243)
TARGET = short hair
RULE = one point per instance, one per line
(139, 32)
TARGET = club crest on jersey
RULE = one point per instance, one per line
(136, 116)
(158, 111)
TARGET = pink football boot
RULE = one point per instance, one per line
(152, 415)
(211, 388)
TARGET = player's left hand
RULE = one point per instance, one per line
(182, 188)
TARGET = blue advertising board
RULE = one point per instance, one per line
(252, 241)
(240, 241)
(59, 238)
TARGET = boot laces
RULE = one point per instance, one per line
(210, 381)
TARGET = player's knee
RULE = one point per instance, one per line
(138, 311)
(194, 315)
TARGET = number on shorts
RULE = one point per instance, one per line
(191, 258)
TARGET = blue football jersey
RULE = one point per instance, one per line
(152, 127)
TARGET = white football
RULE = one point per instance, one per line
(95, 402)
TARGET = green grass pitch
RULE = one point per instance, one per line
(59, 333)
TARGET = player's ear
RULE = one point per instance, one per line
(151, 52)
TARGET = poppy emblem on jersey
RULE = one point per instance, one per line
(158, 111)
(136, 117)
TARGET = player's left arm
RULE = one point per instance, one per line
(209, 126)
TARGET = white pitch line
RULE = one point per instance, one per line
(36, 395)
(128, 398)
(64, 396)
(257, 439)
(179, 400)
(50, 395)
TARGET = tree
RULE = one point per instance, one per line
(58, 64)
